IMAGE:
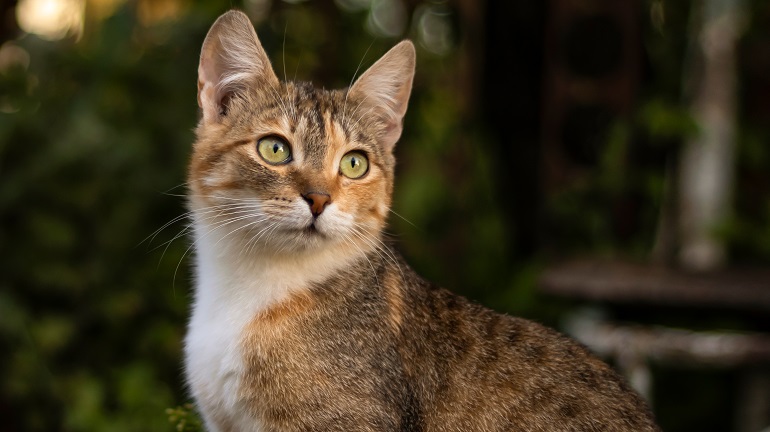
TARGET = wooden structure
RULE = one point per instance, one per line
(613, 284)
(624, 282)
(633, 347)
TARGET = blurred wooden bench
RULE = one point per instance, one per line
(633, 346)
(616, 281)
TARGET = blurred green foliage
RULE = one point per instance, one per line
(184, 418)
(92, 135)
(94, 140)
(614, 208)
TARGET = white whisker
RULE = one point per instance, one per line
(355, 110)
(374, 272)
(405, 219)
(345, 102)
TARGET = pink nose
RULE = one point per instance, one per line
(317, 202)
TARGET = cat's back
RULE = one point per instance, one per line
(481, 370)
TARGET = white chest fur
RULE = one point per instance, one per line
(230, 291)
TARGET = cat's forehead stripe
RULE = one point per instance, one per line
(311, 106)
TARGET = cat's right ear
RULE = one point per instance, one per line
(384, 90)
(232, 60)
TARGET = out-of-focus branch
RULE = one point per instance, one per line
(706, 170)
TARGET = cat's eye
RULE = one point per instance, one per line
(354, 165)
(274, 150)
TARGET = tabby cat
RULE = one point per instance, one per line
(304, 319)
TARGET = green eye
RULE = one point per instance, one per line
(274, 150)
(354, 165)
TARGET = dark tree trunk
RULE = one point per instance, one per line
(511, 94)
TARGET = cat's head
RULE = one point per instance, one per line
(287, 167)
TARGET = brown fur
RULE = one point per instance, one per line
(451, 366)
(372, 346)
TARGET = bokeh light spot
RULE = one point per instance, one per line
(51, 19)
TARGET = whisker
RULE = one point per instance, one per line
(155, 233)
(195, 242)
(345, 102)
(355, 110)
(283, 105)
(283, 49)
(296, 68)
(218, 197)
(176, 187)
(254, 240)
(361, 117)
(181, 233)
(374, 272)
(230, 221)
(176, 270)
(377, 244)
(239, 228)
(184, 215)
(405, 219)
(250, 227)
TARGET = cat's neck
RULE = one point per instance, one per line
(229, 274)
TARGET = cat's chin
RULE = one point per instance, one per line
(310, 238)
(312, 230)
(290, 241)
(313, 239)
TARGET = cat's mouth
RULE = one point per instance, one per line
(312, 230)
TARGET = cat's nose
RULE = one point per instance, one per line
(317, 202)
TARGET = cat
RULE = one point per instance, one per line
(304, 319)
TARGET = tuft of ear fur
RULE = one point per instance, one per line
(385, 87)
(232, 59)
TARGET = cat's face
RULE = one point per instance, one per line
(286, 167)
(286, 170)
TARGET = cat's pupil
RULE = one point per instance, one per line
(276, 148)
(354, 162)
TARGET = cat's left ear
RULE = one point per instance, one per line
(232, 60)
(384, 90)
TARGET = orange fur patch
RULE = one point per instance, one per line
(395, 298)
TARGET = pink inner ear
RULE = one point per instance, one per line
(207, 92)
(200, 89)
(392, 133)
(231, 59)
(385, 87)
(387, 103)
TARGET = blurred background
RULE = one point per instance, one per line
(599, 166)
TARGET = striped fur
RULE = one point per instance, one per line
(304, 323)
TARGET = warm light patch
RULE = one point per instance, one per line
(157, 11)
(101, 9)
(51, 19)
